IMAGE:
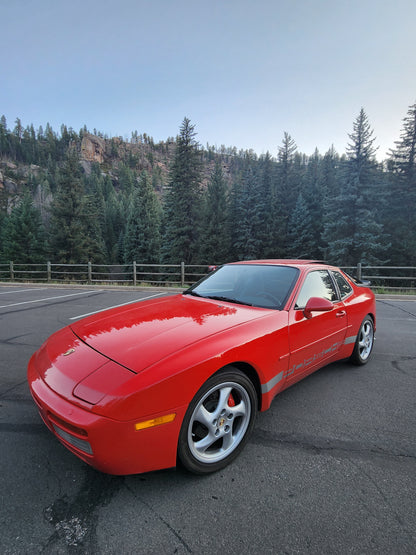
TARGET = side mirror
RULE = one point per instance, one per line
(317, 304)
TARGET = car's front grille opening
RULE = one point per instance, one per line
(70, 434)
(76, 442)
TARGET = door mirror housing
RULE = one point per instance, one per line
(317, 304)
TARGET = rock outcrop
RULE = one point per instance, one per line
(92, 148)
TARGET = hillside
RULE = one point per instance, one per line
(113, 201)
(16, 172)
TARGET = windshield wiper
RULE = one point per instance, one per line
(227, 299)
(217, 298)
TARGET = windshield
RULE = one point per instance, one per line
(259, 285)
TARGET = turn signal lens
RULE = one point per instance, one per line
(155, 421)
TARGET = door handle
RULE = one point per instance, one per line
(341, 314)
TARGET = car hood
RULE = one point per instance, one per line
(139, 335)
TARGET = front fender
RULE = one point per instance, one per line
(262, 344)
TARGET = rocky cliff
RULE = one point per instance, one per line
(92, 148)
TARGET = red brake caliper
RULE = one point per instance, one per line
(231, 402)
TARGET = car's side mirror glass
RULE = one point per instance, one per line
(317, 304)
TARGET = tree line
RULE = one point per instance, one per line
(211, 205)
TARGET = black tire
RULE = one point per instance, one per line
(218, 422)
(364, 343)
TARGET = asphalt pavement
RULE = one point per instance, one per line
(329, 469)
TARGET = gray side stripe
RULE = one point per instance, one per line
(349, 340)
(265, 388)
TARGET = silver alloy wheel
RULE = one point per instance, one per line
(219, 422)
(365, 340)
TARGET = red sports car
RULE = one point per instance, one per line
(181, 378)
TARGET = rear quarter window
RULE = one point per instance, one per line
(344, 287)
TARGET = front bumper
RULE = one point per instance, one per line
(111, 446)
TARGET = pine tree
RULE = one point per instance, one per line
(268, 208)
(3, 223)
(288, 185)
(74, 235)
(287, 190)
(183, 202)
(330, 190)
(215, 243)
(126, 179)
(51, 142)
(18, 130)
(313, 195)
(330, 173)
(352, 231)
(234, 215)
(301, 240)
(4, 139)
(401, 209)
(250, 209)
(113, 222)
(24, 235)
(92, 244)
(95, 202)
(142, 236)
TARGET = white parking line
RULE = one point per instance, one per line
(396, 319)
(115, 306)
(51, 298)
(22, 290)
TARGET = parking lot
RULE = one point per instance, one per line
(330, 468)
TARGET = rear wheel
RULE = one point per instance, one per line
(364, 342)
(218, 422)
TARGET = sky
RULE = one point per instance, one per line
(243, 71)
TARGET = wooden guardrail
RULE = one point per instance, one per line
(389, 278)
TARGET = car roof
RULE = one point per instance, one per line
(283, 262)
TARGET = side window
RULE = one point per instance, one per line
(343, 285)
(317, 284)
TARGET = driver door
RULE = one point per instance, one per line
(314, 341)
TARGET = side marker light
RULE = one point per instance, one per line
(155, 422)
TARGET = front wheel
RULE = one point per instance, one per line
(364, 342)
(218, 422)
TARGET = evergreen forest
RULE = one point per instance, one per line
(72, 197)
